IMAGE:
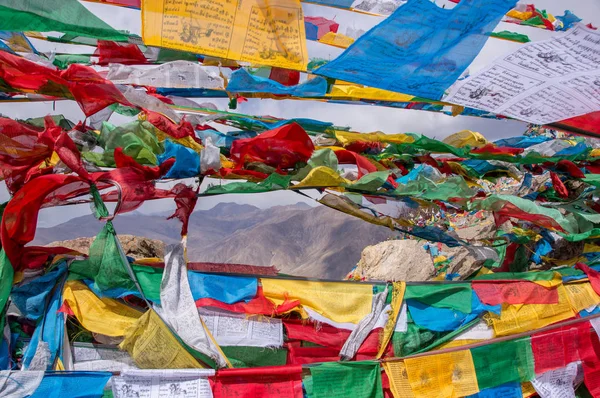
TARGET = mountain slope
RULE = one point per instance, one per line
(297, 239)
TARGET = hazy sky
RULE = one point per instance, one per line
(359, 118)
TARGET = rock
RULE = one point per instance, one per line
(133, 246)
(396, 260)
(467, 260)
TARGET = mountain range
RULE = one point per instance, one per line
(297, 239)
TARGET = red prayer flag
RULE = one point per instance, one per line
(558, 185)
(259, 305)
(497, 150)
(557, 348)
(329, 336)
(286, 77)
(263, 382)
(282, 147)
(111, 52)
(509, 211)
(181, 130)
(185, 200)
(592, 274)
(571, 168)
(81, 83)
(519, 292)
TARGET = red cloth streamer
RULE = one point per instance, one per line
(329, 336)
(362, 163)
(286, 77)
(592, 274)
(181, 130)
(282, 147)
(497, 150)
(589, 123)
(111, 52)
(134, 186)
(185, 200)
(518, 292)
(259, 305)
(509, 211)
(264, 382)
(571, 168)
(589, 352)
(536, 13)
(558, 185)
(557, 348)
(82, 83)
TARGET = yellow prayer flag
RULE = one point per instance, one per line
(527, 389)
(336, 40)
(258, 31)
(464, 138)
(322, 176)
(446, 375)
(581, 296)
(398, 289)
(99, 315)
(347, 138)
(516, 318)
(340, 302)
(366, 93)
(152, 345)
(457, 343)
(399, 384)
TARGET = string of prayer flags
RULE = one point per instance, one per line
(67, 16)
(271, 34)
(338, 379)
(418, 50)
(267, 382)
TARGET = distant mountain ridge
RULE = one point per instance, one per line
(298, 239)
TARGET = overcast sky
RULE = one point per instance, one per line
(359, 118)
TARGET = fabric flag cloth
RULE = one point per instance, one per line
(31, 297)
(19, 383)
(82, 83)
(67, 16)
(109, 52)
(243, 30)
(282, 147)
(557, 382)
(443, 375)
(398, 379)
(557, 348)
(243, 82)
(515, 292)
(536, 91)
(72, 384)
(178, 309)
(98, 315)
(508, 390)
(176, 74)
(242, 330)
(316, 27)
(265, 382)
(192, 383)
(502, 363)
(152, 345)
(46, 343)
(364, 327)
(340, 302)
(419, 50)
(341, 379)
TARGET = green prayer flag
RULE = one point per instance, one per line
(512, 36)
(105, 263)
(62, 61)
(6, 281)
(456, 295)
(352, 379)
(67, 16)
(505, 362)
(251, 357)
